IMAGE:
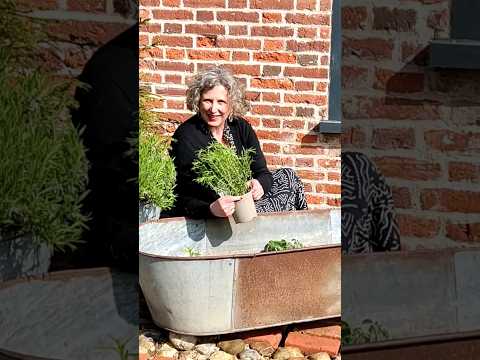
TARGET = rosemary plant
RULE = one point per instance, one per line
(156, 171)
(221, 169)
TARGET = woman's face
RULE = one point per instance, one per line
(215, 106)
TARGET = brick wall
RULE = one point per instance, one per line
(419, 125)
(76, 28)
(278, 48)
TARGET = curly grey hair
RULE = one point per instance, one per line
(212, 77)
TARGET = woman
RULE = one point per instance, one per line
(219, 102)
(368, 213)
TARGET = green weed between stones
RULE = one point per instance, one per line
(280, 245)
(222, 170)
(369, 332)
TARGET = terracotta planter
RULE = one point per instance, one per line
(245, 209)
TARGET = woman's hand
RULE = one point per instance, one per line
(257, 189)
(224, 206)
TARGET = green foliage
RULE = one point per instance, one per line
(280, 245)
(120, 348)
(189, 251)
(221, 169)
(156, 171)
(368, 332)
(43, 172)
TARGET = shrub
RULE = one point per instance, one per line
(156, 171)
(222, 170)
(43, 168)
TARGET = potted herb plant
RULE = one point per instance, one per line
(156, 169)
(43, 172)
(221, 169)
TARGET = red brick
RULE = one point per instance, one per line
(307, 60)
(173, 79)
(318, 329)
(333, 176)
(315, 199)
(306, 99)
(304, 150)
(271, 123)
(275, 57)
(328, 163)
(463, 171)
(281, 161)
(329, 188)
(253, 70)
(239, 43)
(304, 112)
(353, 136)
(304, 162)
(273, 337)
(399, 82)
(175, 54)
(272, 31)
(307, 33)
(240, 56)
(272, 110)
(270, 148)
(204, 3)
(306, 72)
(354, 18)
(417, 227)
(446, 140)
(464, 232)
(237, 30)
(447, 200)
(151, 2)
(401, 197)
(325, 5)
(29, 5)
(272, 45)
(359, 107)
(408, 168)
(294, 124)
(204, 15)
(300, 46)
(271, 97)
(271, 18)
(237, 16)
(271, 4)
(337, 202)
(274, 135)
(272, 83)
(170, 3)
(309, 174)
(439, 20)
(86, 5)
(83, 32)
(206, 42)
(401, 20)
(208, 55)
(367, 49)
(202, 29)
(242, 4)
(304, 85)
(172, 28)
(306, 4)
(315, 19)
(173, 41)
(400, 138)
(307, 139)
(172, 14)
(311, 344)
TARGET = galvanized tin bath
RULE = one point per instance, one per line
(232, 286)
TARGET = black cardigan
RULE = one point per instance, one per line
(193, 199)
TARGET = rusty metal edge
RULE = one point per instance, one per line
(233, 331)
(407, 342)
(235, 256)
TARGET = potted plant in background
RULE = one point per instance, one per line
(221, 169)
(156, 169)
(43, 172)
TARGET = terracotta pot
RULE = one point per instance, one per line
(245, 209)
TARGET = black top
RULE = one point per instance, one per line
(193, 199)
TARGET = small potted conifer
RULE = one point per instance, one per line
(222, 170)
